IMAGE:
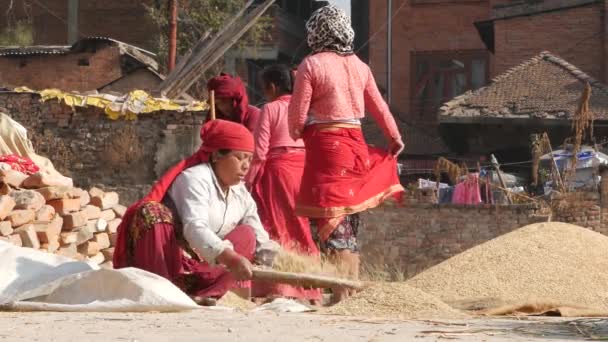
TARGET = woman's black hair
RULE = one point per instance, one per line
(279, 75)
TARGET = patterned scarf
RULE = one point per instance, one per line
(329, 29)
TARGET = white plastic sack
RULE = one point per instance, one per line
(283, 305)
(35, 281)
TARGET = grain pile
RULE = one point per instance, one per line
(46, 213)
(546, 262)
(232, 300)
(394, 300)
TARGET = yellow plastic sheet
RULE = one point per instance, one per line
(127, 106)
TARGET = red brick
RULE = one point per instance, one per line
(108, 253)
(92, 212)
(6, 228)
(28, 236)
(105, 201)
(50, 247)
(7, 204)
(21, 217)
(66, 238)
(98, 258)
(12, 178)
(119, 210)
(102, 239)
(45, 214)
(108, 215)
(58, 192)
(74, 220)
(49, 232)
(69, 251)
(42, 180)
(82, 235)
(65, 206)
(113, 226)
(89, 248)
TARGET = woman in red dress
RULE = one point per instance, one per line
(232, 102)
(275, 176)
(343, 176)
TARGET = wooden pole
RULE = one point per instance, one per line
(558, 174)
(305, 280)
(502, 181)
(212, 104)
(172, 34)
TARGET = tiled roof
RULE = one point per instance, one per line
(544, 87)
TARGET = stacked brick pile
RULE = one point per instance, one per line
(39, 212)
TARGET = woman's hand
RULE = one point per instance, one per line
(237, 264)
(396, 147)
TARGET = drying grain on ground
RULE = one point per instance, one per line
(394, 300)
(546, 262)
(232, 300)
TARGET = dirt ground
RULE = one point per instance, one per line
(216, 325)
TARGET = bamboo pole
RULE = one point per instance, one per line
(212, 104)
(305, 280)
(502, 181)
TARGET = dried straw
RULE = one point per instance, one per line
(287, 261)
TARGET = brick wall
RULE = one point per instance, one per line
(124, 20)
(84, 144)
(574, 34)
(62, 71)
(410, 239)
(420, 27)
(413, 238)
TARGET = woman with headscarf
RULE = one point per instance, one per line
(198, 226)
(343, 175)
(275, 176)
(231, 101)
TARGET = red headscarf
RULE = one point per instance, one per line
(216, 135)
(227, 86)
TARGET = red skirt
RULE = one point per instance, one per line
(343, 175)
(275, 191)
(153, 246)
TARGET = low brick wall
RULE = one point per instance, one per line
(413, 238)
(82, 143)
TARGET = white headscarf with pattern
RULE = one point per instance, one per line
(329, 29)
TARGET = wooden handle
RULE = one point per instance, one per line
(212, 104)
(305, 280)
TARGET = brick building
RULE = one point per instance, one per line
(62, 22)
(90, 64)
(443, 48)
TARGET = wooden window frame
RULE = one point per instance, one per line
(421, 111)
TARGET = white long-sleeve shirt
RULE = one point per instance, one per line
(208, 214)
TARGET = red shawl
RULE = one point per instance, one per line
(227, 86)
(216, 135)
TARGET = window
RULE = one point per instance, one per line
(440, 76)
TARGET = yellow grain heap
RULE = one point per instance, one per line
(547, 262)
(394, 300)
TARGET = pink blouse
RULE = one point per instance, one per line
(330, 87)
(270, 132)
